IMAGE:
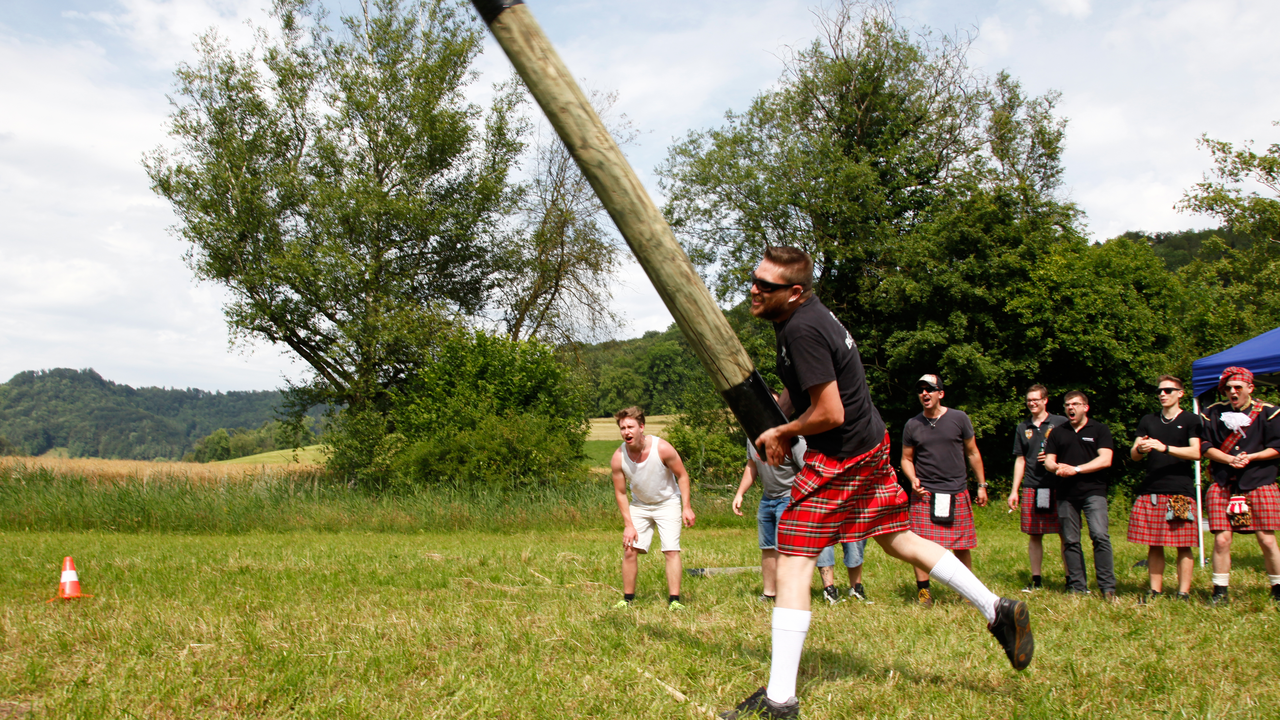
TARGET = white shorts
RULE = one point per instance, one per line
(668, 518)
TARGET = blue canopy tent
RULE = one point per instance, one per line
(1259, 355)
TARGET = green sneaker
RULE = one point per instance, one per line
(622, 605)
(675, 606)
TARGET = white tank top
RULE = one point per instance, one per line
(652, 482)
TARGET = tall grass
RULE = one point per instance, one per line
(160, 498)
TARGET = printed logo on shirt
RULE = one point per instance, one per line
(1028, 433)
(1088, 439)
(848, 339)
(785, 359)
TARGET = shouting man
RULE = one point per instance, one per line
(1080, 455)
(935, 445)
(659, 497)
(847, 489)
(1242, 442)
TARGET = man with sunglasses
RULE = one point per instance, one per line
(847, 489)
(935, 445)
(1242, 442)
(1033, 486)
(1080, 455)
(1163, 512)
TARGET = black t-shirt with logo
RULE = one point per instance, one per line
(1077, 447)
(1167, 475)
(939, 450)
(1028, 441)
(814, 348)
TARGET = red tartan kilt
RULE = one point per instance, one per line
(1147, 525)
(959, 535)
(842, 500)
(1036, 523)
(1264, 505)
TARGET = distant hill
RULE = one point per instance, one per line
(93, 417)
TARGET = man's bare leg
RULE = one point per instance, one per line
(675, 568)
(965, 556)
(1035, 553)
(769, 571)
(1185, 566)
(790, 624)
(855, 576)
(941, 566)
(1221, 552)
(1270, 551)
(1155, 568)
(827, 575)
(630, 569)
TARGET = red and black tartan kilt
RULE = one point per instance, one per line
(1037, 523)
(1147, 525)
(959, 535)
(1264, 505)
(842, 500)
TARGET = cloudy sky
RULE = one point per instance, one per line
(90, 276)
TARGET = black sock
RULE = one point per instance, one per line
(673, 598)
(628, 596)
(922, 584)
(1035, 581)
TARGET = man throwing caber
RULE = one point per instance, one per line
(935, 444)
(659, 498)
(847, 489)
(1033, 487)
(1242, 442)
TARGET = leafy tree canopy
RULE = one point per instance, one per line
(341, 188)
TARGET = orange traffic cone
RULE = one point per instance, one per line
(69, 586)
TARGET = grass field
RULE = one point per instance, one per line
(517, 623)
(309, 455)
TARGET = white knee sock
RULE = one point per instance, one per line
(1221, 579)
(1274, 579)
(789, 630)
(951, 572)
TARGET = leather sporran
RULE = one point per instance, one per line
(1180, 508)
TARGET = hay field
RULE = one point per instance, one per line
(607, 428)
(100, 471)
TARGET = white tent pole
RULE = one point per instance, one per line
(1195, 407)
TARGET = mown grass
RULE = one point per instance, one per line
(309, 455)
(517, 623)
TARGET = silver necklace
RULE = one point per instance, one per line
(1166, 422)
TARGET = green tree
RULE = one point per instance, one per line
(341, 189)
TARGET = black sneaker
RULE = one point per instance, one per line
(858, 593)
(1150, 596)
(1012, 628)
(832, 595)
(923, 598)
(1032, 588)
(1220, 596)
(1275, 593)
(759, 705)
(1184, 597)
(767, 598)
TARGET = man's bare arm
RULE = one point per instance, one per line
(826, 411)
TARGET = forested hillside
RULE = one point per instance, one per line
(94, 417)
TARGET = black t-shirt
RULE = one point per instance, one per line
(1167, 475)
(1263, 433)
(1028, 441)
(813, 348)
(939, 450)
(1077, 447)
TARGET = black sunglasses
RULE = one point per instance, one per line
(1166, 391)
(766, 286)
(926, 389)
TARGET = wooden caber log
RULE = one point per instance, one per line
(635, 214)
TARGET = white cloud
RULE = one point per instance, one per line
(1078, 9)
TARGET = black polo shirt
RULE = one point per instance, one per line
(814, 348)
(1077, 447)
(1028, 441)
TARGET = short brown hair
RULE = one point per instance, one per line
(796, 265)
(634, 412)
(1172, 379)
(1044, 391)
(1076, 394)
